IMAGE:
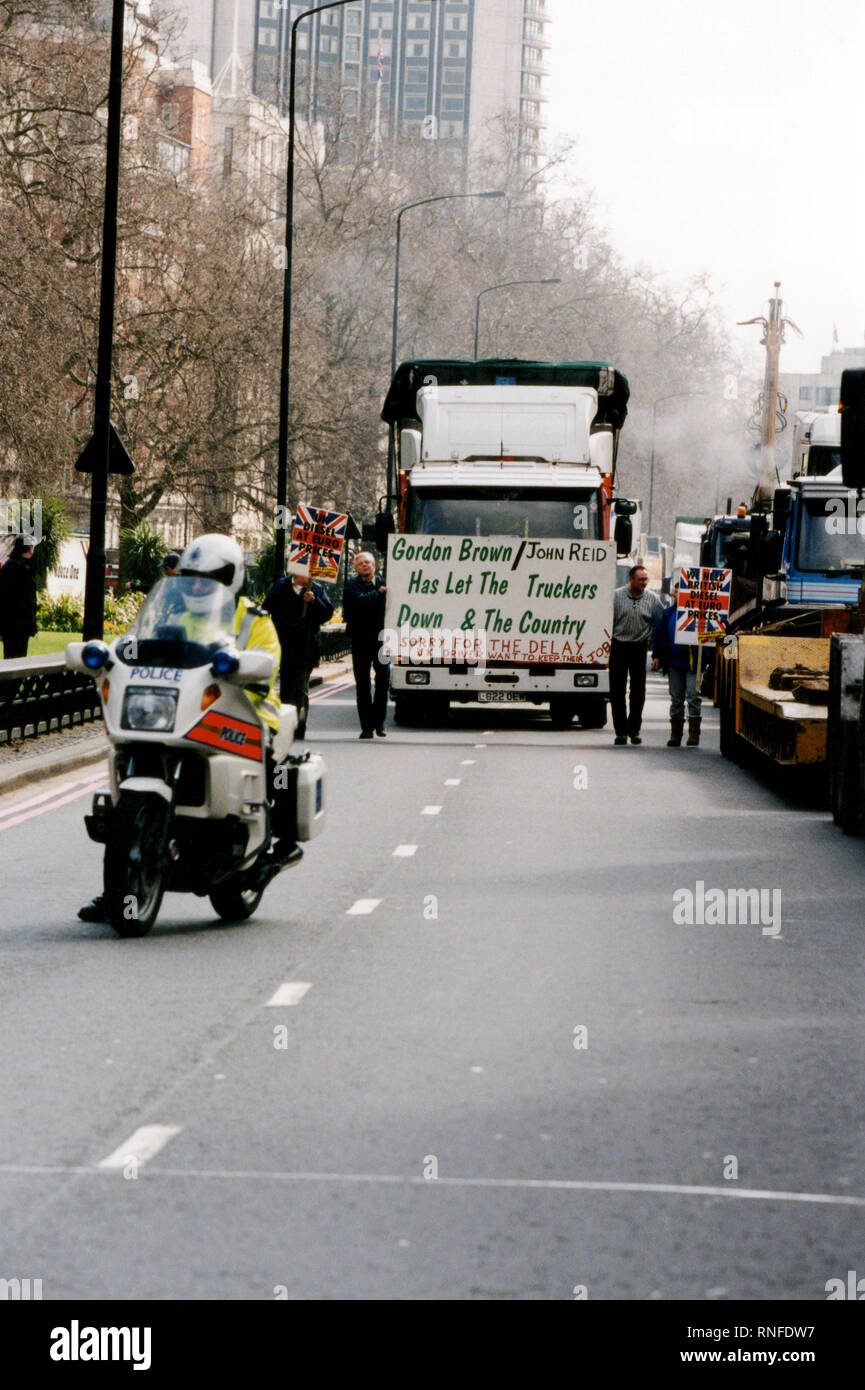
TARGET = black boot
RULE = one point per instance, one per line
(94, 911)
(677, 728)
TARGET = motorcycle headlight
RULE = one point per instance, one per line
(149, 710)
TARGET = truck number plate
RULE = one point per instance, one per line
(498, 697)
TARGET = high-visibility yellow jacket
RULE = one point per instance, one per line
(253, 627)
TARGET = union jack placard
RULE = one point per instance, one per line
(703, 604)
(316, 543)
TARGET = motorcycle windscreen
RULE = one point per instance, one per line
(184, 621)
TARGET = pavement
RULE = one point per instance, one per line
(28, 760)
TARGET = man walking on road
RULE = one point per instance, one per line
(298, 611)
(679, 664)
(363, 610)
(635, 613)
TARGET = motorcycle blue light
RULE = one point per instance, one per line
(225, 663)
(94, 655)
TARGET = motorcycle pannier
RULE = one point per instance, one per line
(310, 797)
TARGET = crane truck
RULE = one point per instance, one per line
(500, 575)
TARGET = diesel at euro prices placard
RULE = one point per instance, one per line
(497, 598)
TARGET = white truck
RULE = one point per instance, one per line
(500, 579)
(816, 443)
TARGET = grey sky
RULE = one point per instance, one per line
(718, 135)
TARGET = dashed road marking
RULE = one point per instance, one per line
(289, 993)
(405, 851)
(430, 810)
(468, 762)
(363, 907)
(141, 1145)
(452, 781)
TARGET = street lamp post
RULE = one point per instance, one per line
(285, 371)
(506, 284)
(421, 202)
(672, 396)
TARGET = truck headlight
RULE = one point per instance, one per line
(149, 710)
(585, 680)
(417, 678)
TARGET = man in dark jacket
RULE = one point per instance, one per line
(298, 609)
(679, 664)
(17, 600)
(363, 609)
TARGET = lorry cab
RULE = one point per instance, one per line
(723, 535)
(523, 453)
(816, 443)
(823, 542)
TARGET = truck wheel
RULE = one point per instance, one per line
(562, 710)
(417, 710)
(134, 877)
(234, 903)
(844, 778)
(592, 711)
(406, 710)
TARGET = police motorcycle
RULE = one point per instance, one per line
(205, 796)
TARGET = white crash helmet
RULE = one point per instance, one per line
(213, 557)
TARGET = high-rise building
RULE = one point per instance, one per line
(422, 69)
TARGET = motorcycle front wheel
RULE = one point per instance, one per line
(134, 874)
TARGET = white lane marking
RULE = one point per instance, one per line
(9, 820)
(742, 1194)
(480, 745)
(430, 810)
(452, 781)
(290, 993)
(468, 762)
(141, 1145)
(405, 851)
(363, 907)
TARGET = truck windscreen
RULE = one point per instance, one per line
(492, 511)
(829, 541)
(823, 459)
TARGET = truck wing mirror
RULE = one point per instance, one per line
(624, 535)
(384, 527)
(852, 409)
(770, 552)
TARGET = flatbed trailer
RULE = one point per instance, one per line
(755, 718)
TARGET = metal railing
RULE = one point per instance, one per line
(39, 694)
(335, 642)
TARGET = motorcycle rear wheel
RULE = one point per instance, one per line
(233, 903)
(133, 876)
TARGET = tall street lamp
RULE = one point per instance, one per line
(421, 202)
(285, 380)
(506, 284)
(672, 396)
(285, 370)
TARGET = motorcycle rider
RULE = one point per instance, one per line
(210, 560)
